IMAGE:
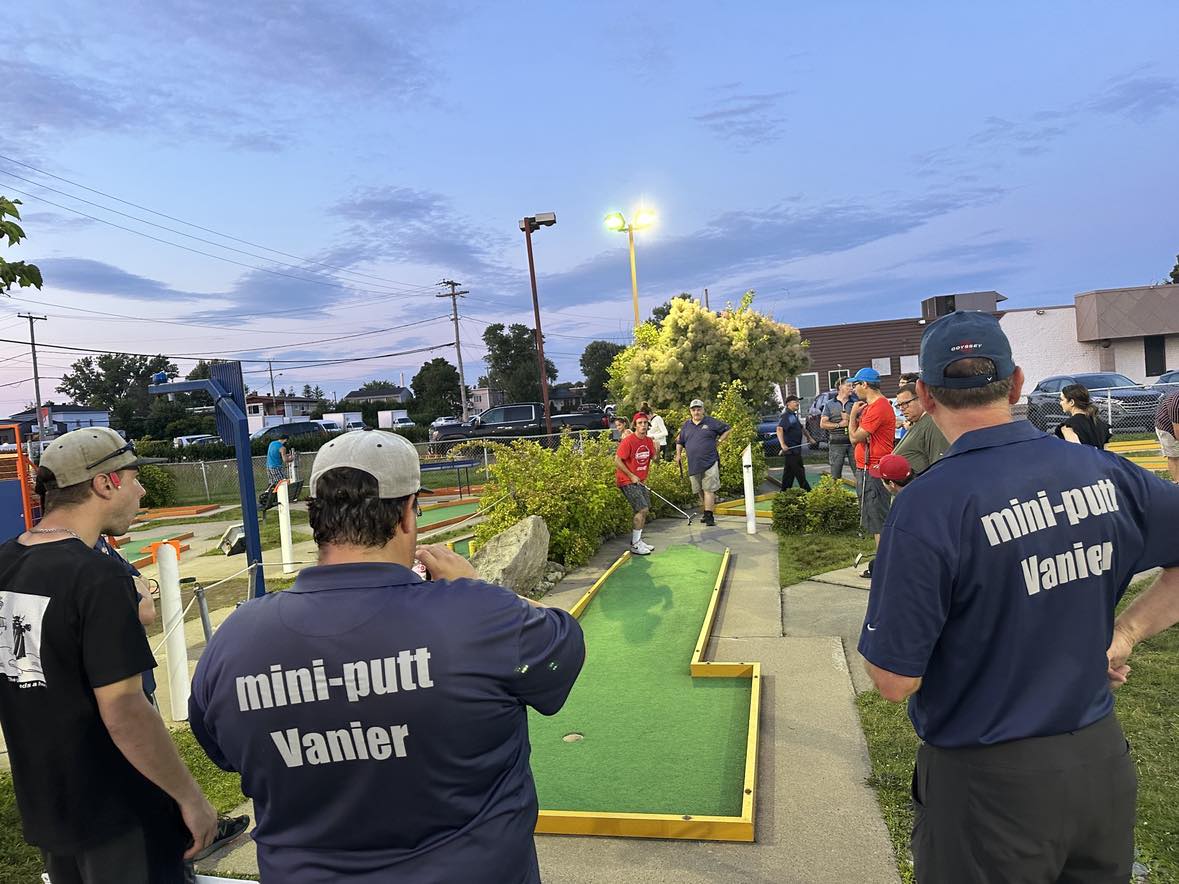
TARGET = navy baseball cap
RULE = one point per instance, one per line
(965, 334)
(867, 375)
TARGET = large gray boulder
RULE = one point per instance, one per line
(515, 558)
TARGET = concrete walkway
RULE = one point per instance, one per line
(817, 820)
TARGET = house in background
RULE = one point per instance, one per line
(62, 419)
(483, 398)
(266, 411)
(566, 397)
(380, 393)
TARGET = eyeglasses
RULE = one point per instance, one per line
(126, 448)
(905, 404)
(417, 503)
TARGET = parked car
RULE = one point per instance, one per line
(329, 426)
(292, 429)
(1167, 383)
(445, 421)
(1127, 407)
(195, 439)
(509, 421)
(767, 432)
(401, 423)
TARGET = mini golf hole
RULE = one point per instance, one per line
(573, 737)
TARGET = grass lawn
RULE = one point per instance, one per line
(801, 556)
(1146, 706)
(19, 862)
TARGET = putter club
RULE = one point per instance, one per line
(688, 516)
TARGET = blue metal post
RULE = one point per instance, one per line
(245, 467)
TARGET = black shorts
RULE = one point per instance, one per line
(875, 502)
(637, 496)
(1057, 808)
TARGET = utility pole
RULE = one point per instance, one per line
(454, 294)
(270, 366)
(32, 318)
(706, 299)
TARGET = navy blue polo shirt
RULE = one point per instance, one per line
(380, 723)
(699, 440)
(997, 577)
(791, 430)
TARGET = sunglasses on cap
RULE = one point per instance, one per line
(128, 448)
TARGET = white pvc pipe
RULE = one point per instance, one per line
(750, 503)
(284, 527)
(176, 647)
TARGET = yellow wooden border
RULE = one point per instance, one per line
(470, 538)
(664, 825)
(582, 603)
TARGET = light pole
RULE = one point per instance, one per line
(617, 221)
(529, 224)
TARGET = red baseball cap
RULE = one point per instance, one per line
(892, 468)
(640, 414)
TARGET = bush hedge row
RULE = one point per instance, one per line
(828, 508)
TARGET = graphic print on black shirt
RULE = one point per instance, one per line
(21, 616)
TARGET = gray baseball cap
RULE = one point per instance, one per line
(387, 457)
(81, 455)
(696, 403)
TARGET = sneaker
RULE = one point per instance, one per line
(228, 828)
(640, 549)
(867, 572)
(646, 546)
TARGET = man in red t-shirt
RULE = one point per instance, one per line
(872, 425)
(632, 461)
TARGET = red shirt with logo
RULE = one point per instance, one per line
(881, 423)
(637, 453)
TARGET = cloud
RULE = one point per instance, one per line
(421, 227)
(232, 74)
(748, 243)
(39, 221)
(746, 118)
(84, 275)
(1141, 98)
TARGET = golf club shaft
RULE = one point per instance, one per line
(668, 502)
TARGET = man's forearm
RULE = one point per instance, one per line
(1156, 610)
(139, 733)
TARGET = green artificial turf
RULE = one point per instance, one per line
(656, 740)
(140, 547)
(442, 513)
(463, 548)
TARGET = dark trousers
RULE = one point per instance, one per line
(793, 469)
(1046, 810)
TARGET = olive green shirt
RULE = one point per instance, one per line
(922, 445)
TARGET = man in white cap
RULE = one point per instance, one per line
(379, 721)
(100, 786)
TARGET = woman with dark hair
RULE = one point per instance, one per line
(1082, 425)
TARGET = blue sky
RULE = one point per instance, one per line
(845, 161)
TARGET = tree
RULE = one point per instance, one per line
(15, 272)
(660, 313)
(1175, 273)
(307, 391)
(317, 393)
(200, 372)
(595, 362)
(694, 352)
(376, 386)
(436, 389)
(511, 362)
(118, 383)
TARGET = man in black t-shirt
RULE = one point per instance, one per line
(99, 784)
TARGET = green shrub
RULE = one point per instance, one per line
(159, 485)
(828, 508)
(573, 492)
(664, 478)
(831, 508)
(790, 511)
(154, 448)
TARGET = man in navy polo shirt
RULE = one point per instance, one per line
(378, 721)
(992, 612)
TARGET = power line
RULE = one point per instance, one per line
(177, 245)
(190, 224)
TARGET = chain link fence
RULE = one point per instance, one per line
(465, 461)
(1127, 410)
